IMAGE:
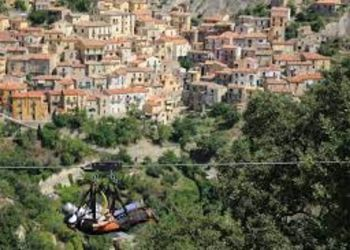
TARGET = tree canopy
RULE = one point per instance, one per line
(295, 203)
(274, 206)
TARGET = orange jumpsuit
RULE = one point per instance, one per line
(111, 226)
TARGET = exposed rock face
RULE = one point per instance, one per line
(338, 29)
(4, 201)
(21, 233)
(216, 7)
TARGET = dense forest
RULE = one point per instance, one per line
(247, 206)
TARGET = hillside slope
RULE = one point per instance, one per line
(340, 28)
(214, 7)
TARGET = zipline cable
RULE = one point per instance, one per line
(227, 164)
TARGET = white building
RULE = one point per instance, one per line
(121, 100)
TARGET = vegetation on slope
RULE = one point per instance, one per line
(276, 206)
(265, 206)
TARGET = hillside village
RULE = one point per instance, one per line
(131, 54)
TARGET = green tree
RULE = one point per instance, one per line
(189, 228)
(21, 5)
(11, 217)
(122, 156)
(98, 243)
(168, 157)
(313, 18)
(292, 30)
(220, 109)
(49, 136)
(2, 130)
(208, 147)
(38, 17)
(109, 132)
(186, 63)
(154, 171)
(40, 240)
(103, 133)
(330, 48)
(78, 5)
(293, 7)
(195, 21)
(227, 114)
(26, 139)
(72, 150)
(184, 129)
(259, 9)
(282, 199)
(3, 7)
(128, 130)
(75, 120)
(161, 133)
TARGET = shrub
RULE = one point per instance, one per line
(154, 171)
(21, 5)
(170, 178)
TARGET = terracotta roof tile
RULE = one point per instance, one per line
(305, 76)
(68, 92)
(124, 91)
(12, 86)
(328, 2)
(287, 57)
(92, 24)
(40, 56)
(47, 77)
(66, 81)
(29, 94)
(313, 56)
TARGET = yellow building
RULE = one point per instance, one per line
(93, 30)
(280, 16)
(53, 37)
(91, 50)
(137, 5)
(121, 23)
(67, 100)
(171, 85)
(122, 5)
(319, 62)
(4, 23)
(2, 66)
(73, 99)
(154, 109)
(284, 47)
(180, 18)
(8, 89)
(18, 24)
(29, 106)
(160, 109)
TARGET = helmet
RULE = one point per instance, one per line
(69, 208)
(73, 219)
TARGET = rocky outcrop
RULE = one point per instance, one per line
(338, 29)
(215, 7)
